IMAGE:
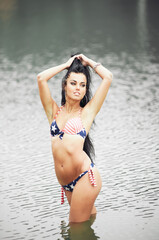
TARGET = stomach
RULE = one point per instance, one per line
(69, 158)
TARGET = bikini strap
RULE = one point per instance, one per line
(91, 175)
(62, 195)
(58, 112)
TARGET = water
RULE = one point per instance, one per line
(123, 36)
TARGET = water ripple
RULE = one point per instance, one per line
(127, 158)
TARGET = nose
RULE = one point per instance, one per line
(77, 86)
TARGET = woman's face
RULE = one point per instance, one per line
(76, 86)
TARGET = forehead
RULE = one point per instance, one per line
(79, 77)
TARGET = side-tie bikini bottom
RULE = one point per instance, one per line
(70, 186)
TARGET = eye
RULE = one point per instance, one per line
(73, 83)
(83, 85)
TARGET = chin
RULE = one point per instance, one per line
(77, 98)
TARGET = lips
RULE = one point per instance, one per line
(76, 93)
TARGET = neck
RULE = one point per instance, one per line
(72, 106)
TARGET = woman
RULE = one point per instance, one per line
(69, 127)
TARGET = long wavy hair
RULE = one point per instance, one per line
(78, 67)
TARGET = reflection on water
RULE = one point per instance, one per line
(123, 37)
(79, 231)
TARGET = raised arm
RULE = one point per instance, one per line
(101, 93)
(93, 107)
(48, 102)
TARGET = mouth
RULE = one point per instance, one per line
(76, 93)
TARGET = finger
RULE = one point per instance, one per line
(80, 57)
(76, 56)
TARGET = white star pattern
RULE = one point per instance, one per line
(53, 128)
(72, 185)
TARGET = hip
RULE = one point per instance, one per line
(68, 168)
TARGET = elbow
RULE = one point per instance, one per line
(109, 77)
(39, 78)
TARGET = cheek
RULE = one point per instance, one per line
(68, 88)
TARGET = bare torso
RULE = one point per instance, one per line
(69, 158)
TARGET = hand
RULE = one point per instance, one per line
(84, 60)
(69, 62)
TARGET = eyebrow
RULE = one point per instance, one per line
(76, 81)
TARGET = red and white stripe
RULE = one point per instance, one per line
(92, 180)
(91, 177)
(62, 195)
(58, 111)
(73, 126)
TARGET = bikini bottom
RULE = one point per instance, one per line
(69, 187)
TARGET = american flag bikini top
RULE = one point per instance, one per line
(73, 126)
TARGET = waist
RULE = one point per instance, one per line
(67, 167)
(68, 185)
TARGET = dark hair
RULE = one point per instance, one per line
(78, 67)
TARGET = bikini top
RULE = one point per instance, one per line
(73, 126)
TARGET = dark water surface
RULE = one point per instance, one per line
(123, 35)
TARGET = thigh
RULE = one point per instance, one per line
(69, 196)
(83, 198)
